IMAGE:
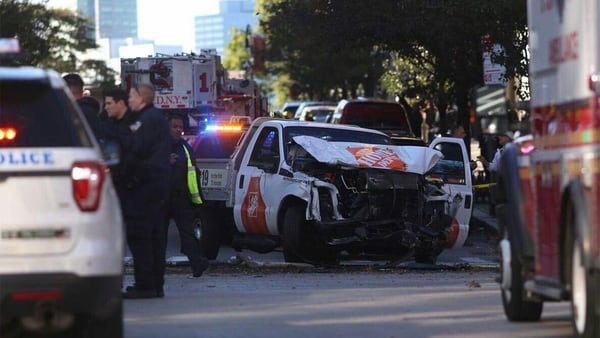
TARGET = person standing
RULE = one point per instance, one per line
(116, 128)
(145, 172)
(494, 168)
(88, 105)
(184, 197)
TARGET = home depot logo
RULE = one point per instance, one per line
(375, 157)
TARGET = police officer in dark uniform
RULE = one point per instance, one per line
(145, 173)
(115, 127)
(88, 105)
(184, 196)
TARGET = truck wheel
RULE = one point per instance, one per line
(207, 228)
(427, 256)
(516, 308)
(586, 321)
(292, 241)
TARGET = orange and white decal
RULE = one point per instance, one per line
(376, 157)
(253, 209)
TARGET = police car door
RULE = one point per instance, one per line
(454, 169)
(259, 187)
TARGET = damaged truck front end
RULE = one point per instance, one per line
(378, 202)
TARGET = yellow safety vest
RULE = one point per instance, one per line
(192, 180)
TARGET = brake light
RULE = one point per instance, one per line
(8, 134)
(87, 178)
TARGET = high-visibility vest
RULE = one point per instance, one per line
(192, 180)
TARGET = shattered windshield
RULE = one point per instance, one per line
(336, 135)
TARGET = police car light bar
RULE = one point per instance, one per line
(224, 127)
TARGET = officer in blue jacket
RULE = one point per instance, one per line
(145, 169)
(184, 196)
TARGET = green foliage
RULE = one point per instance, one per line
(53, 38)
(237, 52)
(418, 48)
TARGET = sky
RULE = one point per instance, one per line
(168, 22)
(171, 22)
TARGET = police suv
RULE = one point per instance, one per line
(61, 229)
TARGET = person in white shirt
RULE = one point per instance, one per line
(494, 166)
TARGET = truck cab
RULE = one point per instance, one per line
(318, 190)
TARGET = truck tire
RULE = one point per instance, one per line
(516, 307)
(584, 285)
(293, 239)
(208, 228)
(427, 257)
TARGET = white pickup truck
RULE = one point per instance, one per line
(324, 192)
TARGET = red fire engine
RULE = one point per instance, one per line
(549, 213)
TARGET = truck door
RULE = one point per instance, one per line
(455, 170)
(258, 185)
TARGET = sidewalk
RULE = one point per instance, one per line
(482, 217)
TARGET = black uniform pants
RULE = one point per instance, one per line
(181, 209)
(144, 209)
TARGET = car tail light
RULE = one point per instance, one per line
(87, 178)
(8, 134)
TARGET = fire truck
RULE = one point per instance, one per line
(195, 86)
(549, 210)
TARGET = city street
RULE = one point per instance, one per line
(258, 295)
(368, 303)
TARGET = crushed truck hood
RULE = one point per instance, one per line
(411, 159)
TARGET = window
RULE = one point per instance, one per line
(266, 150)
(41, 116)
(451, 169)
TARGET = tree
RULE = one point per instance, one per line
(52, 37)
(338, 44)
(305, 41)
(237, 52)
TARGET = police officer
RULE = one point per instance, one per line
(88, 105)
(116, 127)
(184, 196)
(146, 170)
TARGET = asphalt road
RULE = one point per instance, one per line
(246, 294)
(295, 302)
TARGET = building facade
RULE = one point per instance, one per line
(113, 19)
(214, 31)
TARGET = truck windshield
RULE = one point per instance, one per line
(336, 135)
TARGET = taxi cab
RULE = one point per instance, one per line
(61, 230)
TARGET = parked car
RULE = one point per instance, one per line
(317, 113)
(385, 116)
(61, 229)
(304, 104)
(288, 110)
